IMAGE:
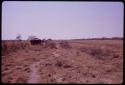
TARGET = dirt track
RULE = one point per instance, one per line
(34, 75)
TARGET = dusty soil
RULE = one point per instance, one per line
(87, 62)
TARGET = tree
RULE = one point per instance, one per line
(31, 37)
(19, 37)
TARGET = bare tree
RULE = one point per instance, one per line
(19, 37)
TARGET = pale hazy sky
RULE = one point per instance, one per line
(61, 20)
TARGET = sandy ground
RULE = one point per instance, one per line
(34, 75)
(74, 65)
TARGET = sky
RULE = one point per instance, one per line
(61, 20)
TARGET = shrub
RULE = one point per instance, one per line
(59, 63)
(65, 44)
(97, 52)
(12, 46)
(50, 44)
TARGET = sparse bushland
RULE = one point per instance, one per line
(13, 46)
(88, 62)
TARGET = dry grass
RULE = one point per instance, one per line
(13, 46)
(65, 44)
(97, 52)
(88, 61)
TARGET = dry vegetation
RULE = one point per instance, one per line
(74, 61)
